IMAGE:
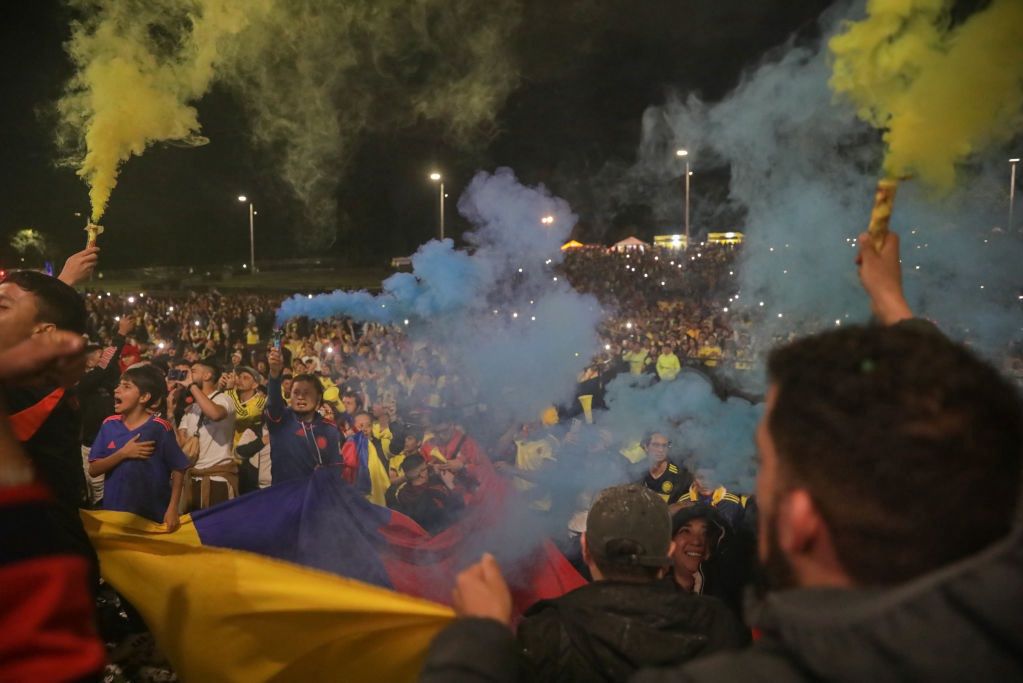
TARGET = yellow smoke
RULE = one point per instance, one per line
(139, 66)
(940, 93)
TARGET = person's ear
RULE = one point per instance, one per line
(800, 524)
(671, 549)
(42, 328)
(587, 558)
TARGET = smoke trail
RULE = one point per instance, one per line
(804, 168)
(940, 93)
(512, 326)
(314, 75)
(139, 66)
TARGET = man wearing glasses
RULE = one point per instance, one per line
(664, 477)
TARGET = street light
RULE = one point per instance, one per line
(1012, 187)
(684, 154)
(438, 178)
(252, 231)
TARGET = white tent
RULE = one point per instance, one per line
(630, 243)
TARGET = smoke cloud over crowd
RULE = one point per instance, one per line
(802, 171)
(312, 75)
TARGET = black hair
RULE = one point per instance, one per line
(886, 427)
(411, 462)
(56, 302)
(213, 365)
(149, 380)
(311, 379)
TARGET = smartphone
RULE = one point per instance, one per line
(278, 335)
(176, 374)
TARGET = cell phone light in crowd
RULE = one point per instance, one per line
(117, 318)
(309, 296)
(131, 299)
(761, 303)
(141, 294)
(108, 293)
(197, 323)
(515, 315)
(245, 265)
(406, 321)
(330, 349)
(170, 309)
(533, 318)
(607, 347)
(555, 279)
(161, 346)
(838, 322)
(779, 315)
(725, 309)
(628, 325)
(520, 270)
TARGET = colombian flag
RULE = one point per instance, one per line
(306, 581)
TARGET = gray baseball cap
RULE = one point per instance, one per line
(629, 525)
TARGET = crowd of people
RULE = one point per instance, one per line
(186, 402)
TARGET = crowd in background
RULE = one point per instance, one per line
(187, 402)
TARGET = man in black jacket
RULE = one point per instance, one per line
(44, 413)
(624, 620)
(870, 437)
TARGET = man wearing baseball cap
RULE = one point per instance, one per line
(624, 620)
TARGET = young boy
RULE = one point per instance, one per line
(138, 452)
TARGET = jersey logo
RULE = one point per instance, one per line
(111, 445)
(321, 442)
(667, 487)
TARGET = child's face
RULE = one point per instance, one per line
(126, 397)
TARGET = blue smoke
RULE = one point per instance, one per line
(803, 170)
(510, 325)
(706, 432)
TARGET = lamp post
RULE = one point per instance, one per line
(252, 233)
(684, 154)
(438, 178)
(1012, 188)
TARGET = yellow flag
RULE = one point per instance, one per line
(229, 615)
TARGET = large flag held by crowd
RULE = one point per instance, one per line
(303, 581)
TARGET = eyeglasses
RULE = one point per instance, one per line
(660, 444)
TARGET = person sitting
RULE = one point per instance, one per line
(432, 500)
(626, 619)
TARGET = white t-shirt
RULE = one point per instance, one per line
(216, 439)
(261, 460)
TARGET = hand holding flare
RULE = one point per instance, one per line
(884, 202)
(93, 231)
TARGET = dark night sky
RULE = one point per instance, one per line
(589, 69)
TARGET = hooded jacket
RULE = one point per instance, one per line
(605, 630)
(961, 622)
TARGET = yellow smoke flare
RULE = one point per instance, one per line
(940, 93)
(139, 65)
